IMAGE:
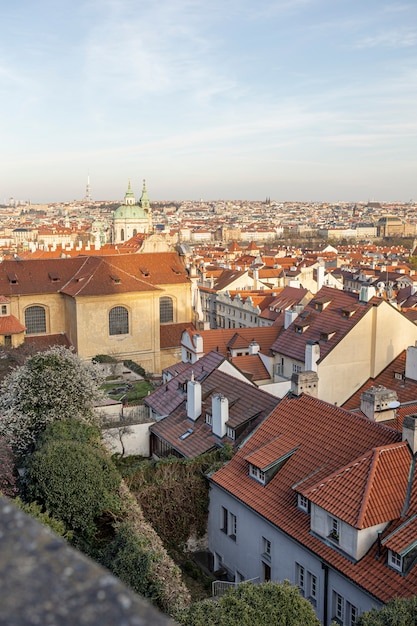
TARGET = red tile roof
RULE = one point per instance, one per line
(252, 366)
(10, 325)
(330, 439)
(219, 339)
(333, 316)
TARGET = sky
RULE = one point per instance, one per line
(293, 100)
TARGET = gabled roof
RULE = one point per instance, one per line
(330, 308)
(330, 438)
(219, 339)
(368, 491)
(92, 275)
(247, 405)
(167, 398)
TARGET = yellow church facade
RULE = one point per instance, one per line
(113, 305)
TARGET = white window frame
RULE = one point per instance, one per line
(334, 529)
(209, 419)
(300, 575)
(395, 560)
(230, 432)
(257, 474)
(303, 503)
(266, 548)
(312, 588)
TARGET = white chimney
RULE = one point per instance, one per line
(254, 347)
(410, 431)
(366, 293)
(220, 414)
(312, 355)
(411, 363)
(193, 399)
(290, 316)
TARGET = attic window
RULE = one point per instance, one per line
(230, 433)
(300, 329)
(326, 336)
(395, 560)
(54, 277)
(347, 312)
(115, 279)
(187, 433)
(303, 503)
(12, 279)
(257, 473)
(175, 270)
(318, 306)
(144, 271)
(399, 375)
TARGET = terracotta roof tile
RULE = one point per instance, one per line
(331, 438)
(252, 366)
(10, 325)
(368, 491)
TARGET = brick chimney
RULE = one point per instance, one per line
(220, 414)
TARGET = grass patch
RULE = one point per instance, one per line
(132, 391)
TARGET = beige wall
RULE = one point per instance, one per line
(380, 336)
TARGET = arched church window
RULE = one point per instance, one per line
(118, 321)
(35, 320)
(122, 234)
(135, 232)
(166, 310)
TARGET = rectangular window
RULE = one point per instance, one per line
(312, 588)
(230, 432)
(233, 527)
(224, 519)
(334, 529)
(3, 309)
(395, 561)
(344, 613)
(209, 419)
(256, 473)
(266, 548)
(296, 368)
(300, 578)
(303, 503)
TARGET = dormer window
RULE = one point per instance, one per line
(209, 419)
(303, 503)
(256, 473)
(395, 561)
(4, 309)
(326, 336)
(230, 432)
(334, 529)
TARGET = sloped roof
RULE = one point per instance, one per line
(316, 322)
(219, 339)
(92, 275)
(170, 334)
(10, 325)
(167, 398)
(252, 366)
(393, 378)
(330, 438)
(368, 491)
(247, 404)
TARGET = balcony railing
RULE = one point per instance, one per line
(219, 587)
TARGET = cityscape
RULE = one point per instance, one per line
(285, 332)
(208, 313)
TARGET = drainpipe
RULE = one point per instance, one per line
(325, 592)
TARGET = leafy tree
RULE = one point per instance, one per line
(76, 482)
(52, 385)
(35, 510)
(398, 612)
(7, 469)
(129, 558)
(268, 604)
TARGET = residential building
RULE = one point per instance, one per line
(324, 498)
(345, 338)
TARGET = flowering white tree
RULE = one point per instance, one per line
(51, 385)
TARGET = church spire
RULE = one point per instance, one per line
(144, 200)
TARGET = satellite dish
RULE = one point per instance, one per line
(394, 404)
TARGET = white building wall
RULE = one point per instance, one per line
(245, 557)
